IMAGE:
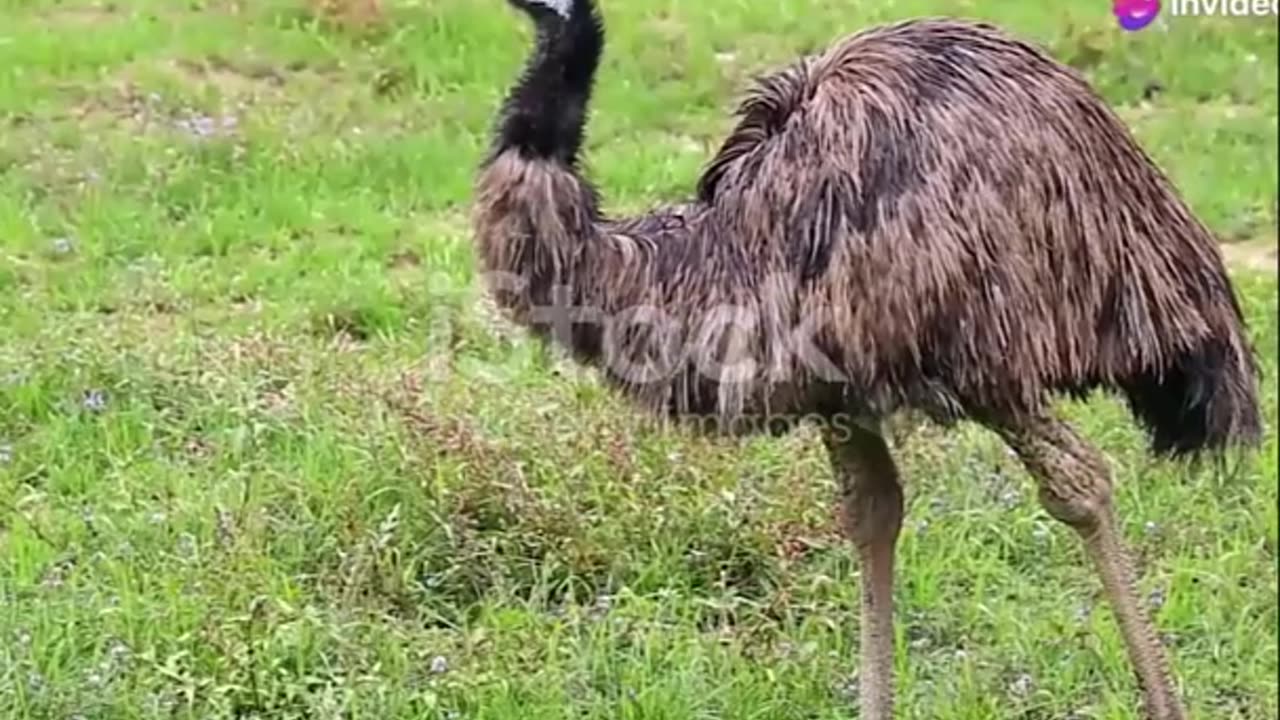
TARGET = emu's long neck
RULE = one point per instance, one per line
(536, 218)
(545, 112)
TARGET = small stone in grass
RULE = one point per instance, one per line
(1022, 685)
(95, 401)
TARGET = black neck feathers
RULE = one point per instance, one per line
(545, 113)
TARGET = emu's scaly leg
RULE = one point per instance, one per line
(871, 515)
(1075, 488)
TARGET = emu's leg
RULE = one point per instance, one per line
(871, 515)
(1075, 488)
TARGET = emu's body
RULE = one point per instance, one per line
(930, 215)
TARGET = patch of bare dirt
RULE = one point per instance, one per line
(240, 78)
(350, 14)
(1261, 255)
(1208, 111)
(404, 260)
(133, 101)
(121, 104)
(82, 16)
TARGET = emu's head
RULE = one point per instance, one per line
(543, 10)
(572, 16)
(569, 32)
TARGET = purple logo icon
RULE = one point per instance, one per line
(1135, 14)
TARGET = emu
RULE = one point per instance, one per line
(930, 216)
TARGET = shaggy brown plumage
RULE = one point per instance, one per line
(959, 220)
(930, 215)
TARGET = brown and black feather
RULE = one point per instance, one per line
(965, 225)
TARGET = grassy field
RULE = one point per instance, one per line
(264, 454)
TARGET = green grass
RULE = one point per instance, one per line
(262, 454)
